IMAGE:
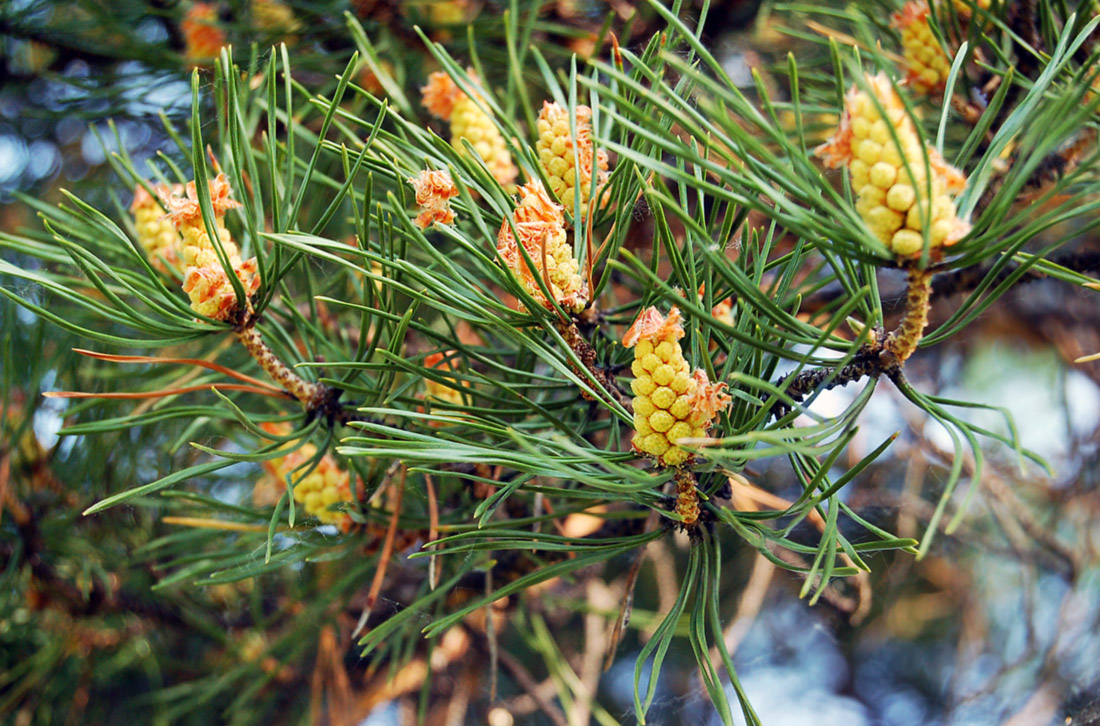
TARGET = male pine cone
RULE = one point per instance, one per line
(205, 281)
(670, 402)
(560, 156)
(445, 100)
(155, 232)
(928, 66)
(541, 227)
(892, 172)
(324, 486)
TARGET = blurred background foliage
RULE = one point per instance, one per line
(100, 619)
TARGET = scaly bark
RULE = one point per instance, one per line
(587, 354)
(901, 343)
(312, 395)
(687, 499)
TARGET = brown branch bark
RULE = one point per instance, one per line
(883, 355)
(312, 395)
(1047, 172)
(687, 499)
(958, 282)
(865, 363)
(587, 354)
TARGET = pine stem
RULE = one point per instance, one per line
(687, 499)
(904, 339)
(877, 356)
(312, 395)
(587, 355)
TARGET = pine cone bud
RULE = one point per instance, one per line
(275, 17)
(205, 282)
(323, 487)
(723, 311)
(436, 391)
(890, 175)
(441, 391)
(443, 12)
(369, 80)
(558, 154)
(155, 232)
(540, 222)
(670, 402)
(965, 8)
(434, 191)
(926, 63)
(202, 38)
(446, 101)
(440, 95)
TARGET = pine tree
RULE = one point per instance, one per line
(394, 355)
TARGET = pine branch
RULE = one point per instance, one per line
(312, 395)
(964, 280)
(901, 343)
(867, 362)
(1051, 169)
(98, 600)
(967, 279)
(885, 354)
(587, 355)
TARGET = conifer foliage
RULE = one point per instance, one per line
(470, 326)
